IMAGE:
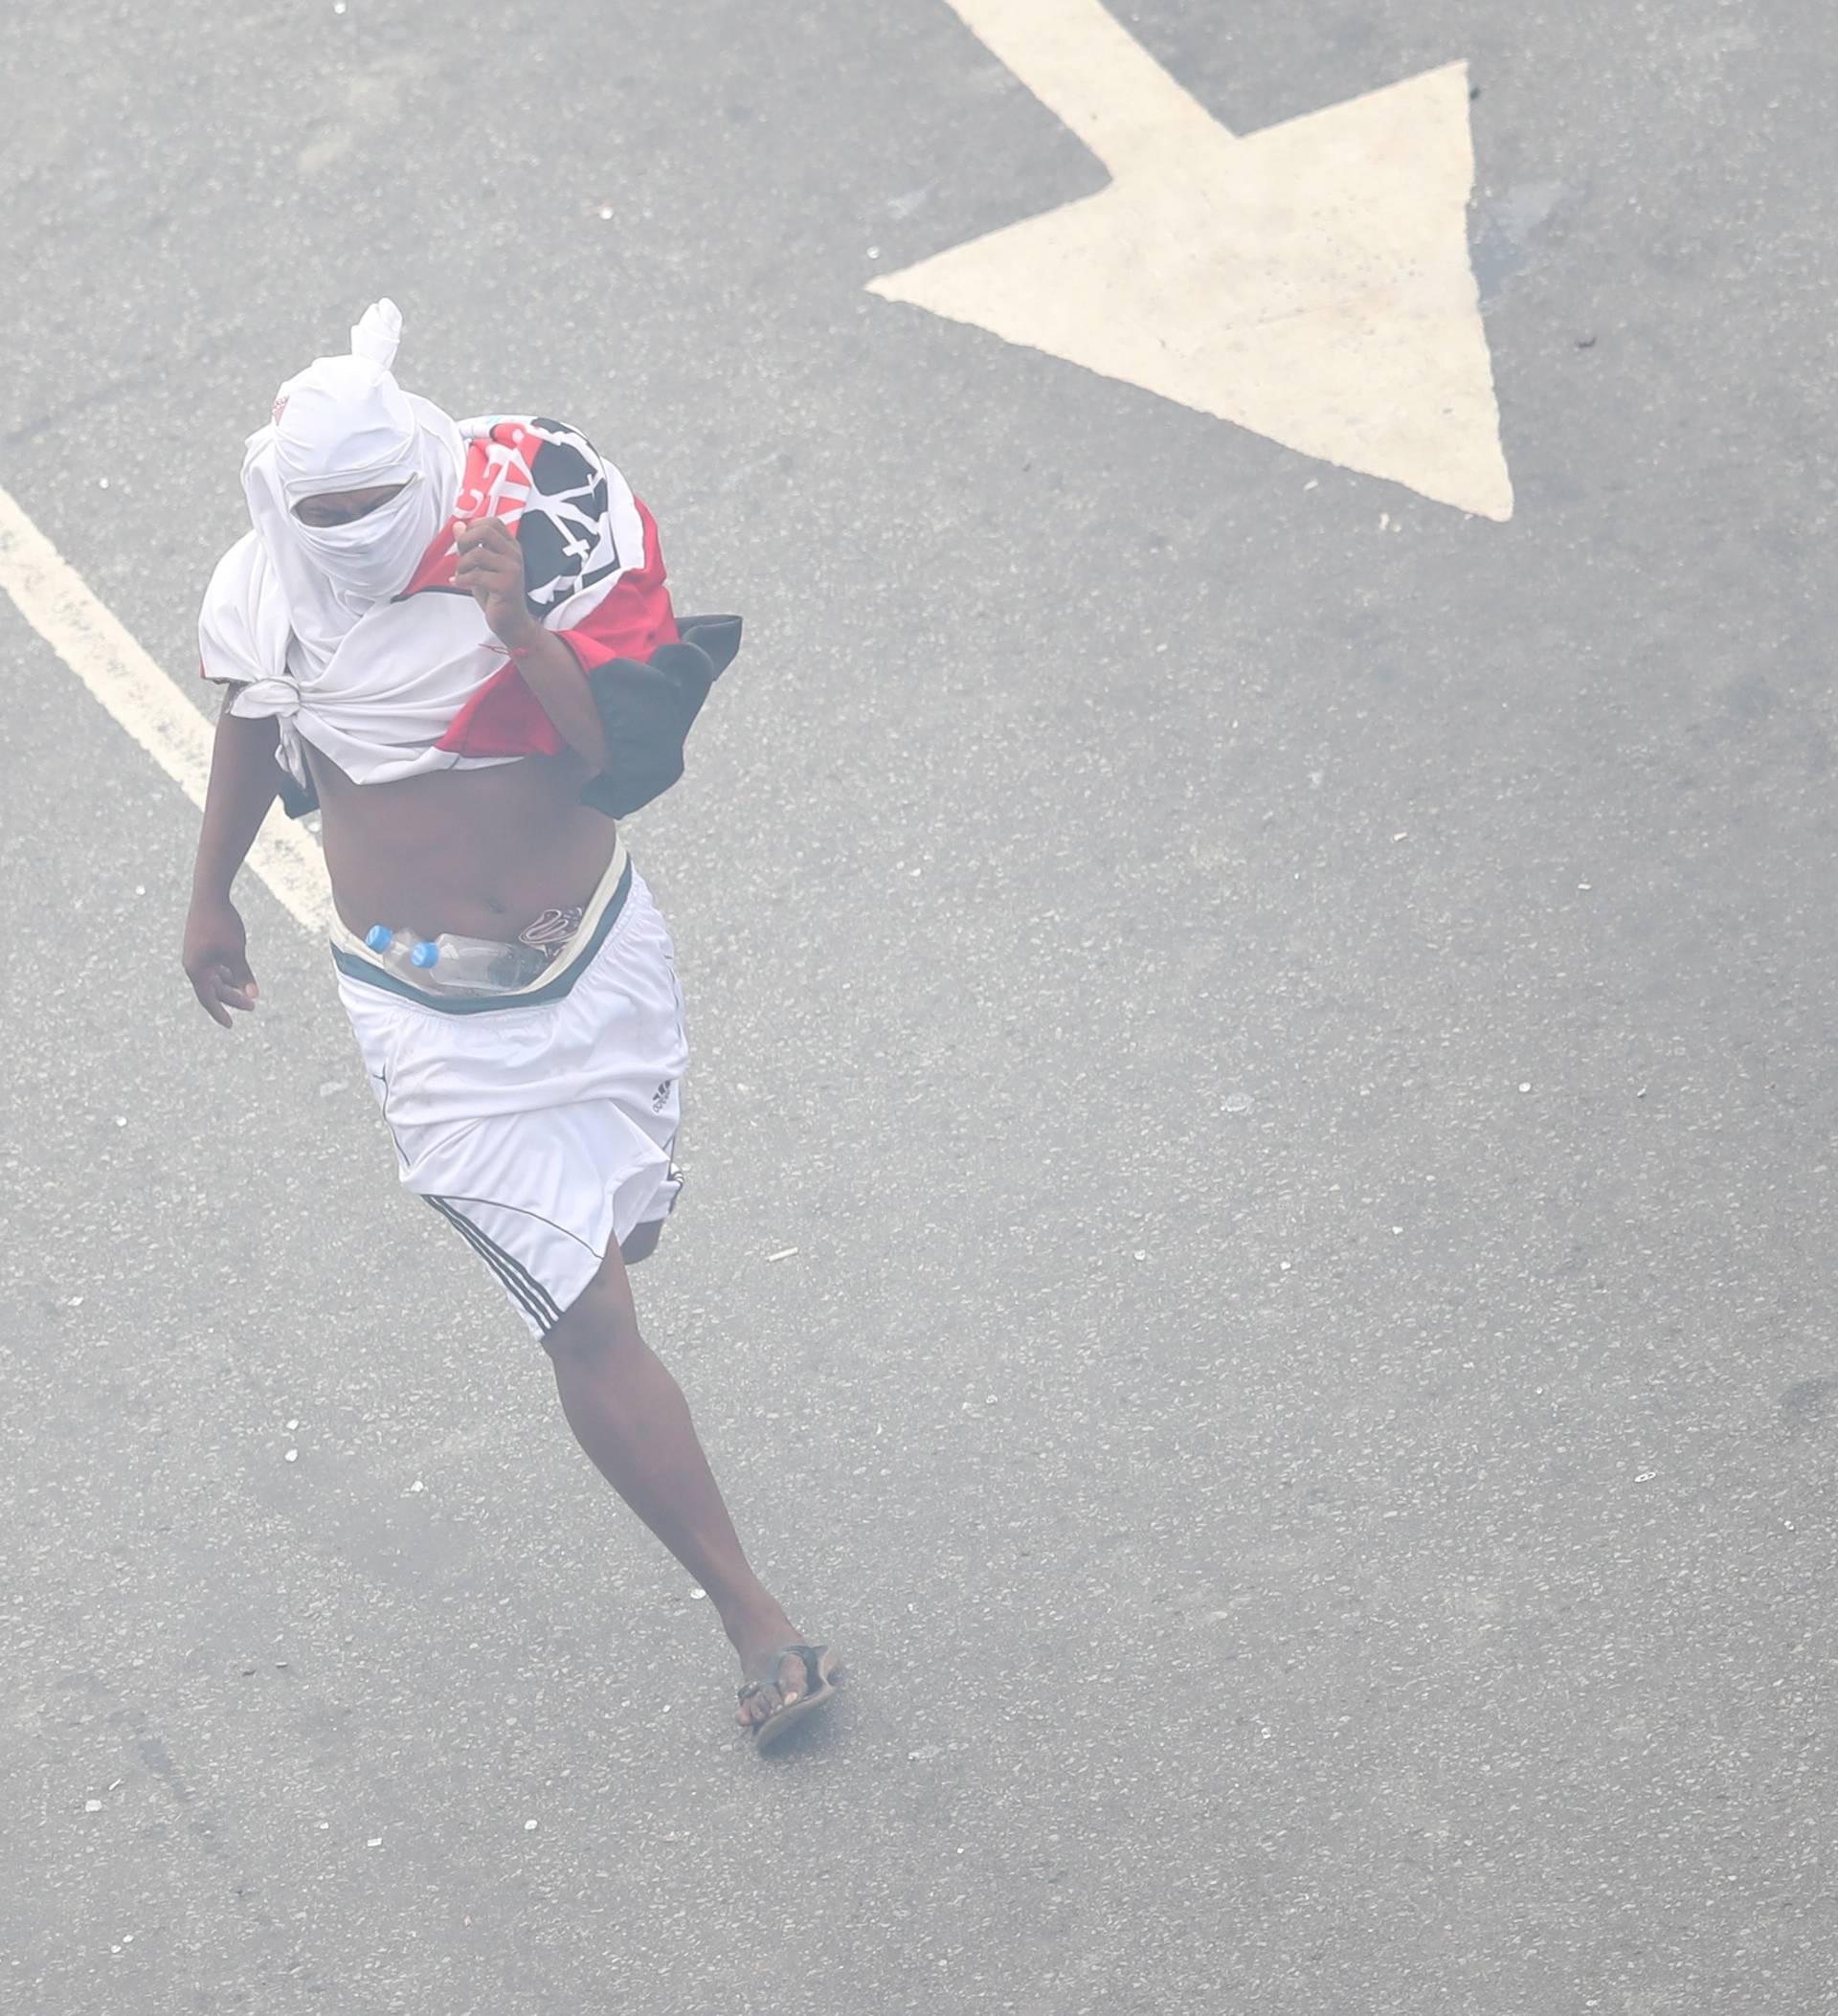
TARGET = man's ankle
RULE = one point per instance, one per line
(754, 1618)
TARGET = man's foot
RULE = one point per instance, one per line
(773, 1682)
(775, 1678)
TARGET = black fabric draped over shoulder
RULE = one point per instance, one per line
(647, 708)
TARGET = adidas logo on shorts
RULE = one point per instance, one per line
(661, 1097)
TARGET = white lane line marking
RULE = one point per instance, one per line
(1311, 283)
(49, 594)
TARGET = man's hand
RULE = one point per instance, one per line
(214, 960)
(491, 565)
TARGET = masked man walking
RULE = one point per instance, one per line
(455, 638)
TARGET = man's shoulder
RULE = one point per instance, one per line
(242, 625)
(239, 568)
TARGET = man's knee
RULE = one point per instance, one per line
(642, 1242)
(598, 1324)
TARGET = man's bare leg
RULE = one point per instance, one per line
(631, 1418)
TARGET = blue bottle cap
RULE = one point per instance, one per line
(424, 953)
(379, 937)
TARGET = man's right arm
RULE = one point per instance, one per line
(245, 780)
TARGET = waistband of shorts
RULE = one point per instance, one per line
(604, 907)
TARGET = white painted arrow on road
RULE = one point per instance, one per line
(1311, 283)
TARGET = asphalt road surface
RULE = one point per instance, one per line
(1290, 1029)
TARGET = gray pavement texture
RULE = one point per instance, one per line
(1296, 1060)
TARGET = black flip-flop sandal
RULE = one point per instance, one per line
(820, 1674)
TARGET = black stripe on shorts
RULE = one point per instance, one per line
(519, 1283)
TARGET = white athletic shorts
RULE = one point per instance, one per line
(539, 1124)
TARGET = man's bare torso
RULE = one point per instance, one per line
(481, 853)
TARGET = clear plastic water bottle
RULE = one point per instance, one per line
(450, 964)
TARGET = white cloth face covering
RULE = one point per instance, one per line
(345, 424)
(374, 557)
